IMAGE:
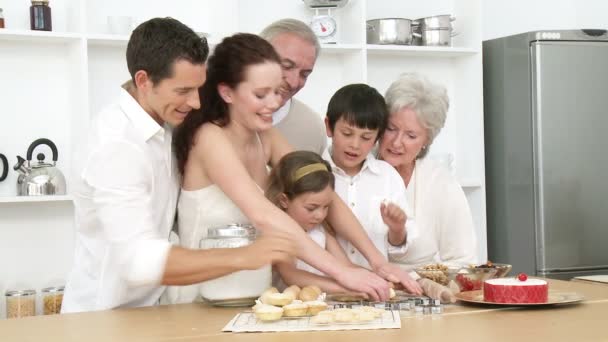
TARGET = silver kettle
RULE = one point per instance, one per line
(40, 178)
(4, 167)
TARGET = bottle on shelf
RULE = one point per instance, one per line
(40, 16)
(1, 19)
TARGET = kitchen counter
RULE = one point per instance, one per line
(197, 322)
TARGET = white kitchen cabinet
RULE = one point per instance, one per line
(54, 82)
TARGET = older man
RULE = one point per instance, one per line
(298, 48)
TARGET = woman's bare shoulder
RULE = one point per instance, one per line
(209, 134)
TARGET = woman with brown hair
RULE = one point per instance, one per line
(223, 151)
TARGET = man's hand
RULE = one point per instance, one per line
(270, 248)
(395, 274)
(361, 280)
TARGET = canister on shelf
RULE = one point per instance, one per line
(51, 300)
(40, 16)
(20, 303)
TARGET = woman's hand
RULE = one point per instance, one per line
(395, 218)
(395, 274)
(361, 280)
(271, 247)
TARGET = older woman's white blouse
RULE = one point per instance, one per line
(445, 226)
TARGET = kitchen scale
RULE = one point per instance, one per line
(323, 24)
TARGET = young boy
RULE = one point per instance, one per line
(356, 118)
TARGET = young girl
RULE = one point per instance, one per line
(302, 185)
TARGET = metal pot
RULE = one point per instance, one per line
(443, 21)
(437, 37)
(42, 178)
(389, 31)
(4, 167)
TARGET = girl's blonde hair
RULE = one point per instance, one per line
(297, 173)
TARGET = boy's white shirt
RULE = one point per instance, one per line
(376, 182)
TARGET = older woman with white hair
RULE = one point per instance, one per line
(445, 231)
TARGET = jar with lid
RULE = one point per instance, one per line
(20, 303)
(40, 16)
(240, 288)
(1, 18)
(52, 297)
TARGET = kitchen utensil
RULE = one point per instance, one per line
(443, 21)
(324, 26)
(42, 178)
(389, 31)
(437, 37)
(4, 167)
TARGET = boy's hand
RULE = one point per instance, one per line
(393, 217)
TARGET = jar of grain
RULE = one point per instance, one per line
(20, 303)
(51, 300)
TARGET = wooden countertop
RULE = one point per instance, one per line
(197, 322)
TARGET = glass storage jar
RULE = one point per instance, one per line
(40, 16)
(51, 300)
(240, 288)
(20, 303)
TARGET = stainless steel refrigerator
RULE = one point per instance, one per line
(546, 151)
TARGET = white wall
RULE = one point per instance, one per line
(503, 18)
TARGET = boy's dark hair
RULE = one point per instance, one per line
(360, 105)
(155, 45)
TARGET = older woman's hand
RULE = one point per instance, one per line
(395, 274)
(394, 217)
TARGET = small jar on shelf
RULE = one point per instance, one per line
(20, 303)
(51, 300)
(40, 16)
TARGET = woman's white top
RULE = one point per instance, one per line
(445, 226)
(198, 211)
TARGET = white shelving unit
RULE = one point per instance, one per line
(57, 81)
(35, 199)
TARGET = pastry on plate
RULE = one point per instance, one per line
(309, 293)
(324, 317)
(296, 308)
(315, 306)
(277, 299)
(293, 290)
(265, 312)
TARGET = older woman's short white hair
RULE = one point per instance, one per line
(427, 99)
(295, 27)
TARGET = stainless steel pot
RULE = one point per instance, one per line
(389, 31)
(437, 37)
(443, 21)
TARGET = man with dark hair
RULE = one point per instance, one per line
(125, 193)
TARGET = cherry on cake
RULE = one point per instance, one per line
(515, 291)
